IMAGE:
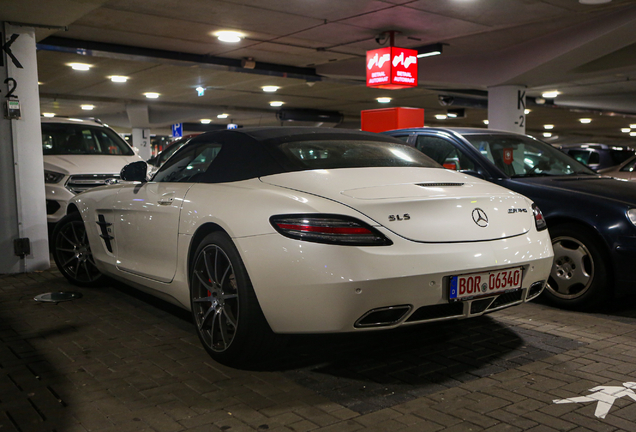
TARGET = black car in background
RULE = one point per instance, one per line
(591, 218)
(597, 156)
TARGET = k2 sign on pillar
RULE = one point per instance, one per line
(392, 68)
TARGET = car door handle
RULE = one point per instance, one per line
(166, 199)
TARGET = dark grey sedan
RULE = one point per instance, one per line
(591, 218)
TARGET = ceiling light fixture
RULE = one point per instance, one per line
(527, 111)
(276, 103)
(547, 134)
(270, 89)
(551, 94)
(49, 115)
(87, 107)
(384, 99)
(80, 66)
(118, 78)
(440, 116)
(585, 120)
(229, 36)
(626, 130)
(222, 116)
(206, 121)
(632, 134)
(486, 122)
(633, 126)
(151, 95)
(200, 91)
(429, 50)
(548, 126)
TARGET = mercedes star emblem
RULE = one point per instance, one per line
(480, 218)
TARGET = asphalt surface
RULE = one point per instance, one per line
(119, 360)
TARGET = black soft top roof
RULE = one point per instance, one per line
(253, 152)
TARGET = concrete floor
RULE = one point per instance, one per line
(119, 360)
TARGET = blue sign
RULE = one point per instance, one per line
(232, 126)
(177, 130)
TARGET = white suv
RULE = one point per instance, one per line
(79, 155)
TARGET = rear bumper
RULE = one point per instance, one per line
(315, 288)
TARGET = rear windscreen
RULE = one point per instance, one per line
(329, 154)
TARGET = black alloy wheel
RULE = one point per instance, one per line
(580, 277)
(225, 310)
(72, 252)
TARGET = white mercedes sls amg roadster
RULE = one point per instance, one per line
(268, 231)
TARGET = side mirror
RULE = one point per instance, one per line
(135, 171)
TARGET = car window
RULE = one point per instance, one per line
(353, 154)
(620, 156)
(595, 158)
(189, 165)
(164, 155)
(582, 156)
(404, 138)
(444, 152)
(522, 156)
(68, 139)
(629, 167)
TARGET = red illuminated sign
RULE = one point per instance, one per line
(392, 68)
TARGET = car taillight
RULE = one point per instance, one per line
(539, 221)
(331, 229)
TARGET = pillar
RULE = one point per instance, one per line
(506, 108)
(22, 197)
(141, 140)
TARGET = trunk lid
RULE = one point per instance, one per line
(420, 204)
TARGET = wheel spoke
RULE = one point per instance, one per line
(207, 266)
(223, 330)
(66, 250)
(213, 333)
(229, 267)
(216, 265)
(580, 277)
(204, 282)
(69, 260)
(229, 296)
(229, 316)
(75, 234)
(208, 299)
(88, 274)
(205, 317)
(68, 239)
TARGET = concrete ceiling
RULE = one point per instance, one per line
(314, 50)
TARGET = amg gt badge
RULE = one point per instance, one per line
(405, 216)
(480, 217)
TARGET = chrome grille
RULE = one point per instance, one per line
(80, 183)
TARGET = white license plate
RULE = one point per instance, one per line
(473, 285)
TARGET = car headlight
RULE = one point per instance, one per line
(539, 220)
(52, 177)
(631, 214)
(330, 229)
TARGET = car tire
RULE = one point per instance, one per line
(580, 278)
(225, 309)
(72, 252)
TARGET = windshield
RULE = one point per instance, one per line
(80, 139)
(520, 156)
(354, 154)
